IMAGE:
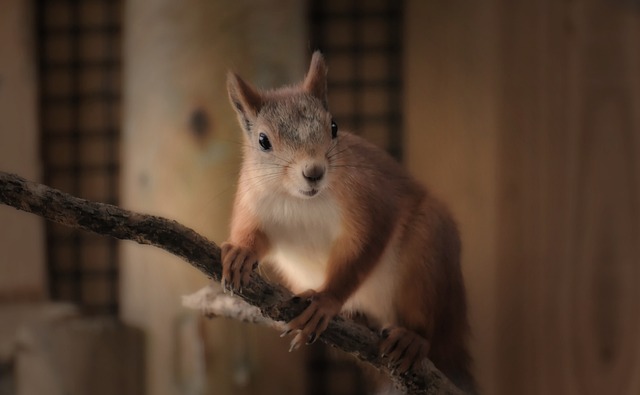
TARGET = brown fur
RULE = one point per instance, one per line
(368, 228)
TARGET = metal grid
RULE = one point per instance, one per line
(362, 42)
(79, 64)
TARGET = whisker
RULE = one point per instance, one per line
(258, 176)
(334, 146)
(333, 155)
(353, 167)
(261, 175)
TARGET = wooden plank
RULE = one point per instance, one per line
(569, 187)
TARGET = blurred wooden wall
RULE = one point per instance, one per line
(570, 193)
(525, 116)
(181, 153)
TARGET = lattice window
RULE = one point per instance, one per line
(79, 49)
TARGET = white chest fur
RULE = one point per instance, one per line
(301, 234)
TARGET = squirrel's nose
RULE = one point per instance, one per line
(313, 173)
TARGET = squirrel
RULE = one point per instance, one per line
(346, 227)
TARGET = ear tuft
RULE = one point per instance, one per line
(315, 82)
(245, 99)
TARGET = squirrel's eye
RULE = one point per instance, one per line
(334, 130)
(264, 142)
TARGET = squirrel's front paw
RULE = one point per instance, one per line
(314, 319)
(237, 264)
(403, 347)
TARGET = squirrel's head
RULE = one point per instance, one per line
(289, 132)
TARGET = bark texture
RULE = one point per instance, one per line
(274, 301)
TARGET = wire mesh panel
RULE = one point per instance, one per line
(79, 51)
(362, 43)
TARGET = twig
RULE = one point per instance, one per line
(213, 302)
(273, 301)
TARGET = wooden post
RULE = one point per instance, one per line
(21, 236)
(181, 150)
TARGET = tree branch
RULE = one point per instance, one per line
(273, 301)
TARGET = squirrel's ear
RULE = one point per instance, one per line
(245, 99)
(316, 80)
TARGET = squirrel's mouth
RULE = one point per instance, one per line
(310, 192)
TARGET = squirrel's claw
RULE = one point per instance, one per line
(237, 264)
(314, 319)
(404, 348)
